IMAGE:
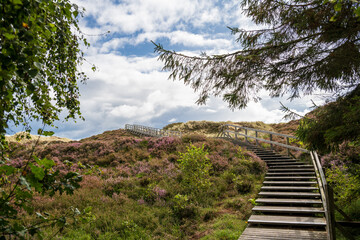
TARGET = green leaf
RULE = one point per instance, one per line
(357, 11)
(333, 18)
(37, 171)
(48, 133)
(8, 170)
(9, 36)
(338, 6)
(47, 163)
(17, 2)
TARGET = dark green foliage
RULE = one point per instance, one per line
(308, 46)
(39, 59)
(332, 124)
(39, 54)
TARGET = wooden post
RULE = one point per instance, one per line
(271, 145)
(246, 139)
(256, 135)
(330, 212)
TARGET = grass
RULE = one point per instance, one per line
(140, 191)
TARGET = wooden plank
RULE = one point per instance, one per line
(282, 234)
(289, 173)
(286, 163)
(287, 220)
(289, 188)
(288, 201)
(286, 209)
(289, 182)
(292, 166)
(290, 177)
(290, 194)
(291, 169)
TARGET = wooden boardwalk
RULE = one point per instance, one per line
(289, 204)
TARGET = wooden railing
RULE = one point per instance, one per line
(235, 131)
(326, 191)
(326, 194)
(150, 131)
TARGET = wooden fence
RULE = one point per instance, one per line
(150, 131)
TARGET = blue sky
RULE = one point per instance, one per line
(129, 86)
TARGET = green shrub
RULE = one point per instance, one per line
(183, 208)
(345, 185)
(195, 167)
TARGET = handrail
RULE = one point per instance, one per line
(260, 130)
(326, 196)
(325, 190)
(229, 129)
(150, 131)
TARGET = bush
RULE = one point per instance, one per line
(183, 208)
(195, 166)
(346, 185)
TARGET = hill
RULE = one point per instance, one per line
(24, 137)
(192, 187)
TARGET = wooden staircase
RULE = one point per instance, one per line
(289, 204)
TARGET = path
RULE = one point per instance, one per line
(289, 204)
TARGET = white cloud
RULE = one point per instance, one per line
(172, 120)
(130, 16)
(134, 89)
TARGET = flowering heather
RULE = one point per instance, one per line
(169, 169)
(345, 156)
(218, 162)
(164, 144)
(141, 167)
(159, 192)
(91, 181)
(123, 170)
(138, 182)
(141, 201)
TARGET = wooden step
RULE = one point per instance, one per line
(282, 183)
(287, 220)
(288, 188)
(290, 173)
(274, 157)
(288, 201)
(290, 177)
(282, 209)
(278, 164)
(258, 152)
(289, 194)
(291, 169)
(292, 166)
(266, 233)
(280, 160)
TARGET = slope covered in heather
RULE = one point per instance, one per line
(192, 187)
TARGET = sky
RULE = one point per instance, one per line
(129, 85)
